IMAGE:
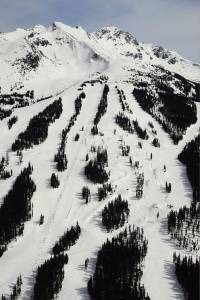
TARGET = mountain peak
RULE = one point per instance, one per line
(116, 34)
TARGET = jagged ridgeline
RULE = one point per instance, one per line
(175, 111)
(118, 269)
(16, 208)
(37, 130)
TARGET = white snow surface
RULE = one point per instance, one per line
(70, 57)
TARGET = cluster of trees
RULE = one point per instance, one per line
(17, 99)
(136, 163)
(152, 128)
(77, 136)
(145, 99)
(118, 269)
(60, 157)
(115, 214)
(96, 172)
(16, 208)
(40, 42)
(49, 277)
(104, 190)
(101, 79)
(122, 100)
(174, 112)
(139, 187)
(4, 174)
(4, 113)
(102, 108)
(68, 239)
(187, 271)
(29, 62)
(51, 273)
(37, 130)
(122, 97)
(190, 157)
(168, 187)
(20, 156)
(124, 122)
(16, 290)
(95, 169)
(86, 195)
(125, 150)
(156, 143)
(178, 110)
(54, 181)
(140, 132)
(184, 226)
(12, 121)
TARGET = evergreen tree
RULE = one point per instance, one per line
(54, 181)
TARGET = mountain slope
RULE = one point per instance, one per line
(155, 95)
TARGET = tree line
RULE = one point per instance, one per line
(60, 157)
(101, 110)
(37, 130)
(16, 208)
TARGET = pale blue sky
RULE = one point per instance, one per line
(175, 24)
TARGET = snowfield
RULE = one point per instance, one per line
(72, 57)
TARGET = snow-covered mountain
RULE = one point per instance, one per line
(108, 116)
(61, 53)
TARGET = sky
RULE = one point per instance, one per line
(174, 24)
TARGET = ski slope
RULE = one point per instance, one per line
(64, 206)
